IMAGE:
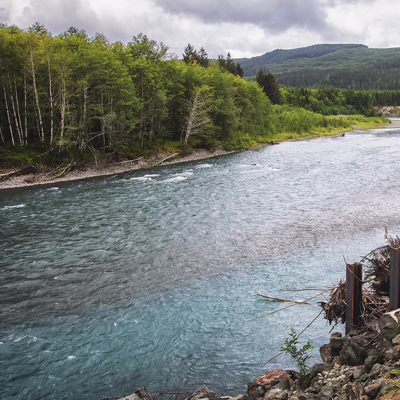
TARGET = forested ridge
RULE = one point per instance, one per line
(72, 96)
(346, 66)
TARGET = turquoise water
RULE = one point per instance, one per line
(150, 278)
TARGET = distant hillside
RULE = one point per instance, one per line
(349, 66)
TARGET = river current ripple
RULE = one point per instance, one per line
(150, 278)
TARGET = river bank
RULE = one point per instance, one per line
(93, 170)
(364, 365)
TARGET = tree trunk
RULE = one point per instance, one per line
(22, 141)
(51, 102)
(63, 104)
(25, 113)
(8, 116)
(19, 133)
(39, 115)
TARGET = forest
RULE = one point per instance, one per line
(344, 66)
(72, 96)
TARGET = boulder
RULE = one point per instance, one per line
(389, 324)
(140, 394)
(325, 353)
(203, 393)
(278, 379)
(373, 389)
(336, 342)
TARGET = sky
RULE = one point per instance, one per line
(244, 28)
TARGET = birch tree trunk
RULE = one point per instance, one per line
(25, 113)
(17, 126)
(51, 102)
(39, 115)
(8, 116)
(198, 119)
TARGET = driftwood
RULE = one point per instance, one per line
(165, 159)
(9, 174)
(278, 299)
(375, 289)
(57, 172)
(127, 161)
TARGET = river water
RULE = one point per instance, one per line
(150, 278)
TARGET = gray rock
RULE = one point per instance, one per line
(336, 342)
(353, 353)
(325, 352)
(357, 372)
(388, 327)
(203, 393)
(140, 394)
(326, 393)
(396, 340)
(276, 394)
(370, 361)
(377, 370)
(373, 389)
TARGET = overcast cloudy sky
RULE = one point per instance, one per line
(245, 28)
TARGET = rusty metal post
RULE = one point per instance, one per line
(353, 295)
(394, 288)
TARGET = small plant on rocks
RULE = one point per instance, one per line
(299, 354)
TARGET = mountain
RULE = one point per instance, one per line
(354, 66)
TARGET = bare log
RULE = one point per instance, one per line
(165, 159)
(278, 299)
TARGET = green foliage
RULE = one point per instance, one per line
(299, 354)
(270, 86)
(84, 97)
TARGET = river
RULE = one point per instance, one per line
(150, 278)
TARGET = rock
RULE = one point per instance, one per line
(203, 393)
(377, 370)
(326, 393)
(321, 369)
(353, 353)
(357, 390)
(325, 353)
(389, 326)
(336, 342)
(239, 397)
(371, 360)
(357, 372)
(276, 394)
(140, 394)
(396, 340)
(373, 389)
(269, 380)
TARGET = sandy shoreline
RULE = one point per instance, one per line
(91, 171)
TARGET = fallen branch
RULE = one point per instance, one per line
(127, 161)
(8, 175)
(278, 299)
(291, 305)
(165, 159)
(57, 173)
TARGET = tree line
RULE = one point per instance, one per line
(84, 96)
(72, 90)
(328, 100)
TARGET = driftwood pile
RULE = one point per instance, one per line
(375, 288)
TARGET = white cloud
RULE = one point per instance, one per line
(244, 28)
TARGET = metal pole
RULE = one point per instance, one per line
(394, 288)
(353, 295)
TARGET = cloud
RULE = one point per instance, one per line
(242, 27)
(55, 15)
(273, 15)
